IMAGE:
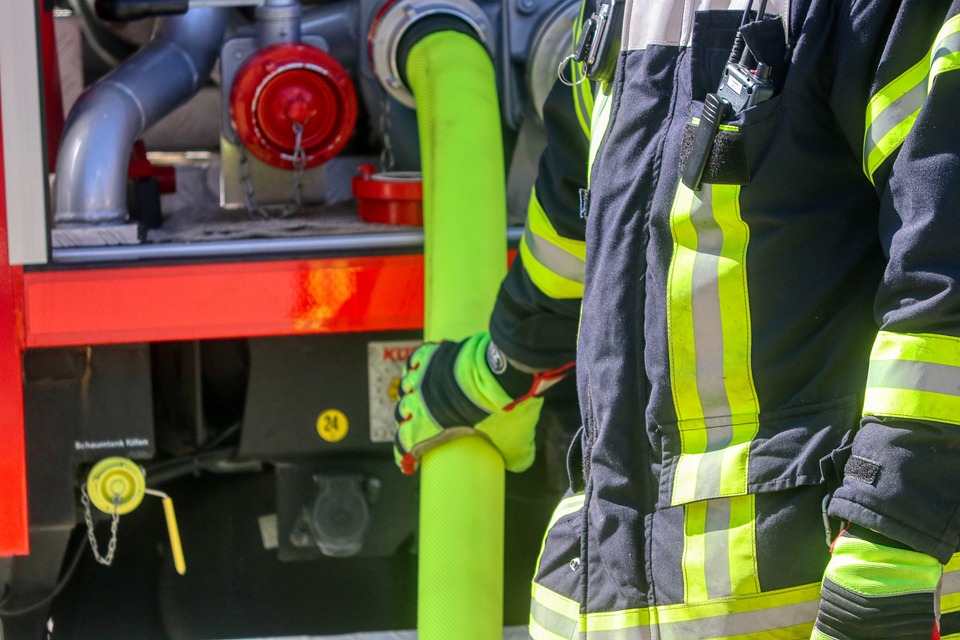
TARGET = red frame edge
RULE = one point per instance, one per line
(226, 300)
(14, 532)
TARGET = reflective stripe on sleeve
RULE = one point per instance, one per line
(893, 110)
(914, 376)
(582, 88)
(555, 264)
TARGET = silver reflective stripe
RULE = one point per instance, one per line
(898, 111)
(670, 22)
(554, 258)
(630, 633)
(735, 624)
(717, 627)
(950, 583)
(716, 563)
(708, 334)
(914, 375)
(552, 621)
(706, 308)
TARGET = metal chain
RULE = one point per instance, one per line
(88, 518)
(299, 162)
(387, 159)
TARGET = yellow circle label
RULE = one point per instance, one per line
(332, 425)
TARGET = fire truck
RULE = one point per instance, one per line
(211, 274)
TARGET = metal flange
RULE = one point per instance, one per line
(393, 21)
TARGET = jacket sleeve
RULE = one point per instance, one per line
(537, 311)
(903, 476)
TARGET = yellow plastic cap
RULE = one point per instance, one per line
(116, 477)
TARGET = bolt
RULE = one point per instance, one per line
(300, 538)
(575, 564)
(527, 6)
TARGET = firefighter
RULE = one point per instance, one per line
(768, 353)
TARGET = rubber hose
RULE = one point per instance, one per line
(460, 590)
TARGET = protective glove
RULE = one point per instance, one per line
(450, 389)
(872, 590)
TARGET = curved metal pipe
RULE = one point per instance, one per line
(338, 23)
(91, 179)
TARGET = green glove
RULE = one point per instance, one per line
(871, 590)
(450, 389)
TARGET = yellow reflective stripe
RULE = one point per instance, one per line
(580, 104)
(880, 150)
(719, 549)
(541, 226)
(683, 354)
(539, 633)
(548, 282)
(734, 309)
(600, 118)
(695, 552)
(891, 113)
(914, 376)
(556, 264)
(787, 613)
(920, 347)
(950, 586)
(899, 403)
(773, 614)
(566, 507)
(555, 602)
(668, 614)
(710, 336)
(743, 546)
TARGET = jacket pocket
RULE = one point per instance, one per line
(731, 456)
(739, 145)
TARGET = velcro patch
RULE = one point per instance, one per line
(862, 469)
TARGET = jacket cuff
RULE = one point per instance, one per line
(901, 480)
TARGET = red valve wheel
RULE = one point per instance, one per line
(285, 84)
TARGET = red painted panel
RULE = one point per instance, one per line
(140, 304)
(14, 537)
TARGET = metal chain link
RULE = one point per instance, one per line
(88, 518)
(387, 159)
(299, 162)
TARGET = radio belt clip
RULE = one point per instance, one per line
(714, 110)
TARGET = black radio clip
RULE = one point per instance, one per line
(599, 44)
(740, 89)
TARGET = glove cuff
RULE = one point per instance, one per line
(872, 569)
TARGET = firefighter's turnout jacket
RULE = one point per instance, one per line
(795, 317)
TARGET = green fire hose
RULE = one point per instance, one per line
(460, 592)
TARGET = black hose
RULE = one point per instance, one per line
(64, 580)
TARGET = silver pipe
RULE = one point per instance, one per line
(315, 247)
(338, 23)
(278, 21)
(91, 179)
